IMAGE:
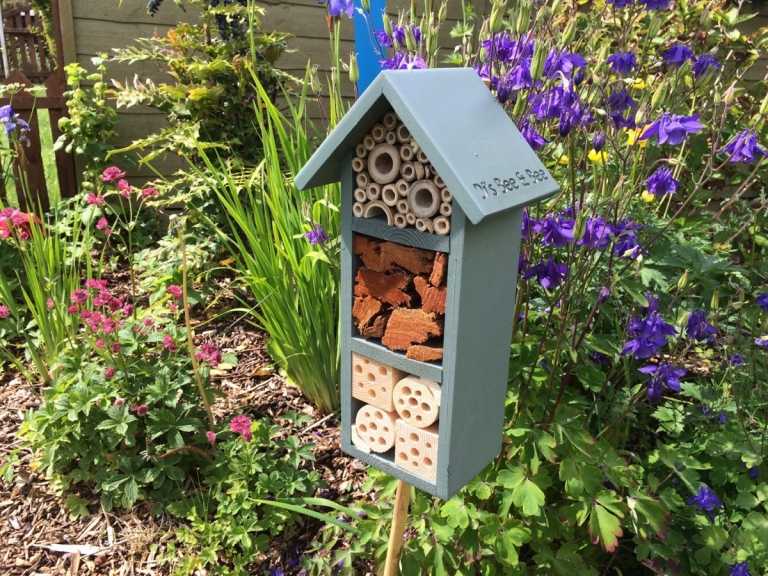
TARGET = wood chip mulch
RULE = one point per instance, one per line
(39, 536)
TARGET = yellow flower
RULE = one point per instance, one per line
(647, 197)
(633, 137)
(564, 160)
(596, 157)
(639, 84)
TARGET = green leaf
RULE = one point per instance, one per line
(604, 525)
(529, 497)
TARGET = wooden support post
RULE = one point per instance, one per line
(399, 522)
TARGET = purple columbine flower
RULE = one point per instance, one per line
(598, 141)
(622, 62)
(698, 328)
(704, 63)
(547, 104)
(338, 7)
(648, 335)
(753, 472)
(621, 107)
(534, 139)
(503, 48)
(736, 360)
(740, 569)
(516, 79)
(627, 245)
(656, 4)
(706, 500)
(549, 274)
(621, 3)
(563, 62)
(762, 342)
(743, 148)
(383, 38)
(555, 230)
(403, 61)
(664, 377)
(677, 54)
(528, 225)
(673, 129)
(316, 236)
(597, 234)
(661, 182)
(762, 301)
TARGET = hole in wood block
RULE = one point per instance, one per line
(416, 450)
(377, 426)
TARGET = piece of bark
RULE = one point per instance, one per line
(364, 309)
(424, 353)
(432, 299)
(376, 328)
(369, 251)
(407, 327)
(389, 288)
(438, 269)
(415, 260)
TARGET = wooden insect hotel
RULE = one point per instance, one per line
(434, 177)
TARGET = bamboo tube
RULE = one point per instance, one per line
(373, 209)
(358, 209)
(406, 153)
(361, 180)
(373, 191)
(422, 157)
(402, 206)
(359, 195)
(389, 195)
(439, 181)
(369, 142)
(424, 198)
(403, 134)
(389, 120)
(402, 188)
(360, 151)
(358, 164)
(429, 171)
(421, 224)
(442, 225)
(410, 218)
(384, 163)
(390, 138)
(446, 195)
(445, 209)
(400, 221)
(378, 132)
(407, 171)
(418, 167)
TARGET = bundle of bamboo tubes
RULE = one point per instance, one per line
(394, 179)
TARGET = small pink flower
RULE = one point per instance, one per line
(211, 435)
(175, 291)
(209, 353)
(103, 226)
(124, 188)
(241, 425)
(141, 409)
(94, 200)
(72, 309)
(96, 284)
(173, 307)
(115, 347)
(50, 304)
(79, 296)
(5, 312)
(127, 309)
(109, 373)
(111, 174)
(118, 401)
(168, 343)
(99, 343)
(108, 326)
(149, 192)
(149, 322)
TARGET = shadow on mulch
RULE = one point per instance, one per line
(38, 535)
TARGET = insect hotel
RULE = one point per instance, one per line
(434, 176)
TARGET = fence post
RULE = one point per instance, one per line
(365, 46)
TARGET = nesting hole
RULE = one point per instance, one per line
(427, 461)
(371, 376)
(363, 428)
(403, 456)
(425, 406)
(406, 413)
(372, 393)
(414, 437)
(418, 417)
(383, 370)
(429, 444)
(358, 369)
(373, 426)
(415, 452)
(407, 390)
(417, 392)
(384, 163)
(412, 401)
(379, 416)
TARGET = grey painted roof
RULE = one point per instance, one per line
(467, 135)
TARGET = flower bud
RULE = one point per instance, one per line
(523, 17)
(410, 40)
(569, 32)
(658, 95)
(496, 18)
(539, 57)
(354, 72)
(598, 141)
(715, 302)
(683, 281)
(387, 24)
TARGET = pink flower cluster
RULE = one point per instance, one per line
(5, 312)
(15, 222)
(209, 353)
(107, 321)
(115, 175)
(241, 425)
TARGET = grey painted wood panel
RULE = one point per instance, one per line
(407, 236)
(384, 355)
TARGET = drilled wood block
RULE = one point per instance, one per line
(373, 382)
(375, 428)
(417, 401)
(416, 450)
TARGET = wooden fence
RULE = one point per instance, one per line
(25, 45)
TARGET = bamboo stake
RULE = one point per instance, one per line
(399, 522)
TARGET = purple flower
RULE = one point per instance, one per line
(516, 79)
(698, 328)
(316, 236)
(528, 225)
(549, 274)
(677, 54)
(627, 245)
(648, 334)
(404, 61)
(656, 4)
(619, 103)
(622, 62)
(743, 148)
(598, 141)
(555, 231)
(672, 129)
(597, 234)
(762, 342)
(722, 418)
(562, 62)
(736, 360)
(338, 7)
(661, 182)
(503, 48)
(703, 63)
(762, 301)
(754, 472)
(706, 500)
(664, 377)
(740, 569)
(603, 294)
(621, 3)
(534, 139)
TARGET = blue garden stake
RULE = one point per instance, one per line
(367, 55)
